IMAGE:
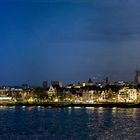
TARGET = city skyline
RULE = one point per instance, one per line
(68, 41)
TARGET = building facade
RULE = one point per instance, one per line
(127, 95)
(52, 93)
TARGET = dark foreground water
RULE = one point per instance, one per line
(39, 123)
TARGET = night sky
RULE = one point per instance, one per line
(68, 40)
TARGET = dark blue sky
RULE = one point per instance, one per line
(68, 40)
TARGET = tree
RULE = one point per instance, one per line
(40, 93)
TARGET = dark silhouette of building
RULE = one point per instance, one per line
(137, 77)
(90, 82)
(106, 80)
(56, 84)
(45, 84)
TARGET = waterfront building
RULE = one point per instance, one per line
(103, 96)
(78, 99)
(87, 96)
(31, 99)
(3, 91)
(127, 95)
(5, 98)
(52, 92)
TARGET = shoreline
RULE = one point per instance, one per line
(62, 105)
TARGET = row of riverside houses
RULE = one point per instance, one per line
(72, 93)
(15, 93)
(90, 93)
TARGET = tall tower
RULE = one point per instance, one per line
(137, 77)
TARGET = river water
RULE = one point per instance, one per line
(37, 123)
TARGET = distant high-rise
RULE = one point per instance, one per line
(137, 77)
(45, 84)
(56, 84)
(106, 80)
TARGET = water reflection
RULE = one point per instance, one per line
(113, 123)
(70, 123)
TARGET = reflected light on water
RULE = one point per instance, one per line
(76, 107)
(7, 107)
(73, 123)
(90, 108)
(100, 108)
(114, 110)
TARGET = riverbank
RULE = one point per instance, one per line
(60, 105)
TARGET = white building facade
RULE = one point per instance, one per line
(127, 95)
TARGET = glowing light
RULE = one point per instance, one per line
(56, 100)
